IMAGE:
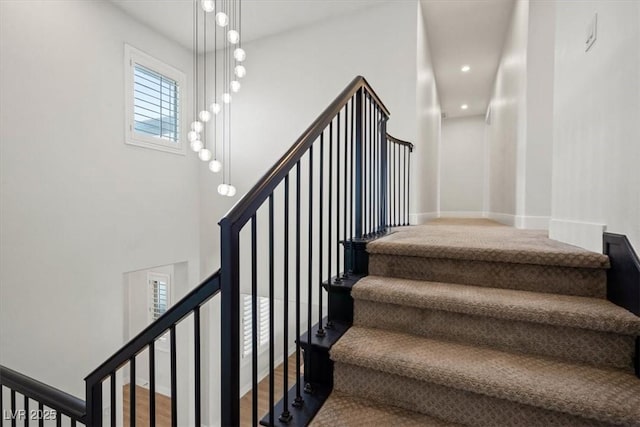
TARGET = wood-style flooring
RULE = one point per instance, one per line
(163, 403)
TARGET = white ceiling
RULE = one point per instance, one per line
(460, 32)
(260, 18)
(468, 32)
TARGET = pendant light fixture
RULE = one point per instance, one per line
(212, 111)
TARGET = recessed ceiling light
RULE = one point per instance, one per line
(465, 68)
(464, 106)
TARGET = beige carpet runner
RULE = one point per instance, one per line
(473, 323)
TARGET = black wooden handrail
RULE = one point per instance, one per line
(174, 314)
(401, 142)
(49, 396)
(242, 211)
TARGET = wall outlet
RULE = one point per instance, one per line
(592, 33)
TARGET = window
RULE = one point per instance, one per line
(154, 104)
(247, 326)
(158, 295)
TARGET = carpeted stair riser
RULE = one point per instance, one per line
(606, 395)
(345, 410)
(579, 281)
(447, 403)
(569, 344)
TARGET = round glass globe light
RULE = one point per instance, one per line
(215, 166)
(205, 155)
(208, 5)
(196, 145)
(215, 108)
(240, 71)
(222, 19)
(233, 36)
(223, 189)
(231, 191)
(239, 54)
(226, 98)
(192, 136)
(197, 126)
(205, 116)
(235, 85)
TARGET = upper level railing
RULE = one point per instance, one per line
(341, 181)
(344, 180)
(38, 403)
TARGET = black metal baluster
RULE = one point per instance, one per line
(398, 219)
(345, 272)
(358, 165)
(73, 423)
(40, 412)
(112, 409)
(254, 320)
(376, 155)
(1, 404)
(365, 152)
(406, 185)
(152, 383)
(132, 392)
(12, 407)
(174, 379)
(321, 332)
(26, 412)
(329, 219)
(271, 315)
(58, 419)
(352, 183)
(395, 193)
(298, 402)
(338, 280)
(370, 145)
(197, 368)
(307, 360)
(285, 417)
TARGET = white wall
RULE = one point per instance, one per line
(519, 137)
(596, 124)
(292, 77)
(426, 166)
(462, 166)
(505, 135)
(539, 143)
(79, 207)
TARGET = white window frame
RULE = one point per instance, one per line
(134, 56)
(263, 335)
(151, 277)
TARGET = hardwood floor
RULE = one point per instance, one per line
(263, 392)
(163, 407)
(163, 403)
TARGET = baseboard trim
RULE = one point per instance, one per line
(532, 222)
(461, 214)
(587, 235)
(422, 218)
(507, 219)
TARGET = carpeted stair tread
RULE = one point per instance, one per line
(346, 411)
(601, 394)
(553, 309)
(482, 243)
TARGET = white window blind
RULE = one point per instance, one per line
(155, 98)
(159, 295)
(247, 326)
(155, 104)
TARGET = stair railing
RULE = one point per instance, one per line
(399, 188)
(51, 404)
(340, 169)
(351, 179)
(188, 306)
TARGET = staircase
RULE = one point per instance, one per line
(452, 323)
(473, 323)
